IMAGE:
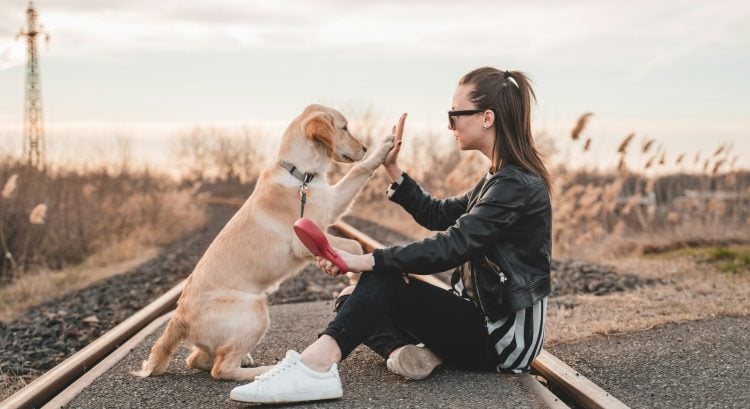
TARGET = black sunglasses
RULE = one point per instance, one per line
(453, 114)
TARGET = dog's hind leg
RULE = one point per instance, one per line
(162, 351)
(200, 359)
(252, 322)
(227, 366)
(247, 360)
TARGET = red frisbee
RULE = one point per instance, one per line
(316, 242)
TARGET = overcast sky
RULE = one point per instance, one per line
(673, 70)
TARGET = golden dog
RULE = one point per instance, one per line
(222, 310)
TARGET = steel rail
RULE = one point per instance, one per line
(43, 388)
(585, 393)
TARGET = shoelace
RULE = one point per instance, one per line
(278, 368)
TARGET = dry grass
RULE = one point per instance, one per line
(209, 153)
(44, 285)
(580, 125)
(696, 289)
(9, 384)
(56, 217)
(612, 216)
(602, 216)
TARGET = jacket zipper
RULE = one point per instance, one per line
(498, 270)
(493, 265)
(476, 290)
(471, 204)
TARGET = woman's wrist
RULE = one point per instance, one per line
(393, 172)
(366, 262)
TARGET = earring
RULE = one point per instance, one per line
(484, 127)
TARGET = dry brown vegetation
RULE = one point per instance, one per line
(211, 154)
(59, 217)
(696, 286)
(599, 214)
(56, 217)
(622, 216)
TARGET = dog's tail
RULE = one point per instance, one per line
(162, 351)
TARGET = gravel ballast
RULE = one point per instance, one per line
(47, 334)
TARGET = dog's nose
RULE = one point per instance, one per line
(364, 148)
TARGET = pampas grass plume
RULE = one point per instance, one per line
(623, 148)
(38, 214)
(647, 145)
(580, 124)
(587, 145)
(10, 186)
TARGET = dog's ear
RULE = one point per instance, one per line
(318, 126)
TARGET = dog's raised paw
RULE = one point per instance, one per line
(378, 156)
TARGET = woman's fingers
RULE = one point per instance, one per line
(328, 267)
(399, 132)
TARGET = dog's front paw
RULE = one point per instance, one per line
(378, 156)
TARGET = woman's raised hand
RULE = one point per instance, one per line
(391, 158)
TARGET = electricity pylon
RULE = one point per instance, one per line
(33, 123)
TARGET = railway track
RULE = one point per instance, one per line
(58, 386)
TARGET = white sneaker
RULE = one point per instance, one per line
(413, 362)
(290, 381)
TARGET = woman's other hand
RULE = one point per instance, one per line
(356, 263)
(391, 159)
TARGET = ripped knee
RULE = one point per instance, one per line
(347, 290)
(341, 299)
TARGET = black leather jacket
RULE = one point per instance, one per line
(502, 227)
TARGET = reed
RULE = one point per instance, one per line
(10, 186)
(647, 145)
(623, 148)
(575, 133)
(38, 213)
(607, 213)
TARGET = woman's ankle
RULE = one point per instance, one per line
(316, 365)
(321, 354)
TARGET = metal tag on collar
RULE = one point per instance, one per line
(303, 198)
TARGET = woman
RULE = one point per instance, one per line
(496, 236)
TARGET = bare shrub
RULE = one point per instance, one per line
(210, 154)
(58, 216)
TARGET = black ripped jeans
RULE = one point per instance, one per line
(384, 312)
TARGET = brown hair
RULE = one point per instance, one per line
(509, 95)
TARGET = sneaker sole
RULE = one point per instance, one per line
(287, 398)
(415, 363)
